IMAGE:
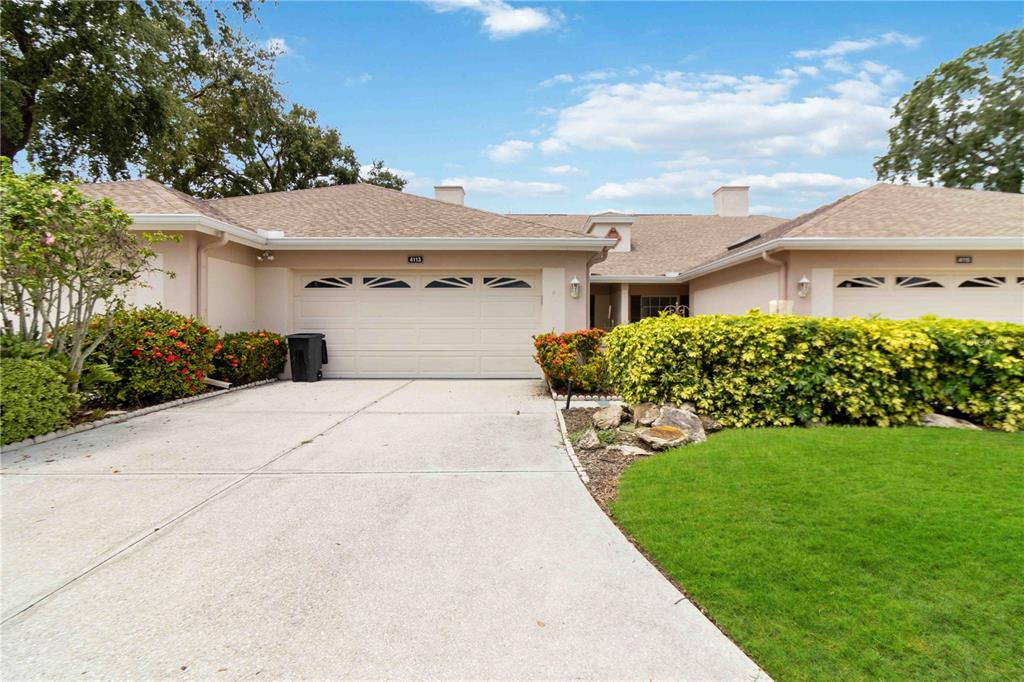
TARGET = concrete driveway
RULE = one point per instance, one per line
(359, 529)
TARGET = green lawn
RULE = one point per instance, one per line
(846, 553)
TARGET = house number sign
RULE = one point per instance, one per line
(415, 259)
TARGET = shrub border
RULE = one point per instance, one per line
(116, 419)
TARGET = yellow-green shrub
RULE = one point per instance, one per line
(981, 369)
(758, 370)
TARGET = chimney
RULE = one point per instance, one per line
(732, 201)
(450, 194)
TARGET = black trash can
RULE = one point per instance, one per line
(307, 354)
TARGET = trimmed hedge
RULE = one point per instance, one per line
(34, 399)
(251, 356)
(556, 355)
(775, 370)
(158, 355)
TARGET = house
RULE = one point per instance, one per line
(404, 286)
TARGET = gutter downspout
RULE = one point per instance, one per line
(202, 275)
(783, 274)
(599, 257)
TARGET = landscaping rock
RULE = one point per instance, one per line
(609, 417)
(645, 413)
(710, 424)
(684, 420)
(589, 440)
(944, 422)
(664, 436)
(629, 450)
(688, 406)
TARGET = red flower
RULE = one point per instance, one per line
(172, 333)
(148, 333)
(157, 354)
(202, 330)
(179, 344)
(184, 370)
(136, 352)
(263, 334)
(277, 342)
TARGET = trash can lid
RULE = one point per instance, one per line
(314, 335)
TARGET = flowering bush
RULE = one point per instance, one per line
(34, 398)
(251, 356)
(159, 355)
(556, 355)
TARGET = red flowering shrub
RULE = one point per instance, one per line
(251, 356)
(159, 355)
(557, 356)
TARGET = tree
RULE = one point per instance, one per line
(93, 84)
(963, 124)
(383, 177)
(64, 258)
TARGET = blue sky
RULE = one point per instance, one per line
(646, 107)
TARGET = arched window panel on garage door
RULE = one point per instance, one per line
(982, 282)
(450, 283)
(329, 283)
(917, 282)
(385, 283)
(861, 282)
(506, 283)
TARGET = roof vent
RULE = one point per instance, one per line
(450, 194)
(731, 201)
(742, 242)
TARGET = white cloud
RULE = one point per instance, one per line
(564, 169)
(508, 151)
(557, 79)
(361, 79)
(715, 115)
(841, 47)
(502, 20)
(506, 188)
(277, 46)
(698, 184)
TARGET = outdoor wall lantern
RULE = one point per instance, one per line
(803, 287)
(574, 288)
(265, 256)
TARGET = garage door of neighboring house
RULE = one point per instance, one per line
(899, 295)
(436, 324)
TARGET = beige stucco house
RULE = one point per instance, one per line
(408, 286)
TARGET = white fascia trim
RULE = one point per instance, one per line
(635, 279)
(442, 243)
(861, 244)
(199, 223)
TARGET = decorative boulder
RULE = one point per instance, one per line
(662, 437)
(944, 422)
(710, 424)
(644, 414)
(609, 417)
(684, 420)
(589, 440)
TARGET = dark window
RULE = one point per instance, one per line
(385, 283)
(634, 309)
(506, 283)
(651, 306)
(590, 321)
(982, 282)
(917, 283)
(451, 283)
(330, 283)
(861, 283)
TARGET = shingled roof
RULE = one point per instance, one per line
(903, 211)
(665, 242)
(359, 210)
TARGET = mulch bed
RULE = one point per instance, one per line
(603, 465)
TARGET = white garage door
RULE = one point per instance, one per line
(964, 295)
(436, 324)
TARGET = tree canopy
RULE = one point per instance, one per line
(163, 88)
(963, 124)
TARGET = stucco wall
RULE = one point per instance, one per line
(179, 258)
(231, 287)
(735, 290)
